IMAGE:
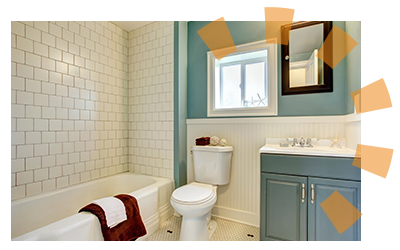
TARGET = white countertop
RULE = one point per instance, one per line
(319, 148)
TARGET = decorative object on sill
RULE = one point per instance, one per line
(223, 142)
(214, 141)
(336, 141)
(202, 141)
(252, 102)
(261, 100)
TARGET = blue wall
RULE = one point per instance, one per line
(333, 103)
(353, 28)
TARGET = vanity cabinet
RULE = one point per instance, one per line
(292, 188)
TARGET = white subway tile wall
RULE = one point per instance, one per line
(69, 110)
(151, 64)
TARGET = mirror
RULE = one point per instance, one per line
(302, 71)
(304, 65)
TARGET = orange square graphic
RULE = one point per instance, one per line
(336, 47)
(372, 97)
(375, 160)
(340, 211)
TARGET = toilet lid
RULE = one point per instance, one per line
(193, 193)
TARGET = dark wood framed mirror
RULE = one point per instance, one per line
(302, 71)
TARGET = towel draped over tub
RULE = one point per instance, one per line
(130, 229)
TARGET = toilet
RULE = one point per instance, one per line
(194, 201)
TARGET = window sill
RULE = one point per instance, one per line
(262, 111)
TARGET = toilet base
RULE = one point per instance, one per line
(212, 226)
(196, 229)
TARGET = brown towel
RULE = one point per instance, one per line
(203, 141)
(131, 229)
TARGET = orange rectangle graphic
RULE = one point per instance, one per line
(218, 39)
(275, 18)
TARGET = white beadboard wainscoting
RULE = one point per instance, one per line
(240, 199)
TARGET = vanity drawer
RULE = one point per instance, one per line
(330, 167)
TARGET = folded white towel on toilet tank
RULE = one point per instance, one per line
(114, 210)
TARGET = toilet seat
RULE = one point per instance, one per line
(193, 194)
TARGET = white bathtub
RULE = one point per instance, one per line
(54, 215)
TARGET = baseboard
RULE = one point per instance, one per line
(244, 217)
(165, 212)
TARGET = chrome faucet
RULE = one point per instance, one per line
(302, 143)
(295, 142)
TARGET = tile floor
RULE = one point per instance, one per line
(226, 231)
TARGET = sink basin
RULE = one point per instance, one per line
(322, 149)
(314, 149)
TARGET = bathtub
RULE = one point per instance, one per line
(54, 215)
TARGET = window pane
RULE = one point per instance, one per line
(231, 92)
(255, 84)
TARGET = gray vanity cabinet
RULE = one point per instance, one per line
(284, 216)
(320, 227)
(290, 209)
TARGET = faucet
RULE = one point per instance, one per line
(309, 143)
(295, 142)
(302, 143)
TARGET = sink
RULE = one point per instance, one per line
(320, 148)
(313, 149)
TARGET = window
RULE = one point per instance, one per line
(243, 83)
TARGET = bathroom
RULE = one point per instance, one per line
(91, 100)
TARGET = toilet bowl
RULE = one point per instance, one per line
(194, 202)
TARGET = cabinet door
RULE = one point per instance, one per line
(320, 226)
(283, 213)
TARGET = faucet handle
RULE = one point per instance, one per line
(294, 142)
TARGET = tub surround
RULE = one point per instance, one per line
(151, 99)
(89, 100)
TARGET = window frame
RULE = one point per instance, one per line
(272, 80)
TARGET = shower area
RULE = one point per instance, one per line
(89, 100)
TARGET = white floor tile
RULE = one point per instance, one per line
(226, 231)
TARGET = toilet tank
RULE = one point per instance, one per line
(212, 164)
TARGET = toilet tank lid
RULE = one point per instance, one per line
(213, 148)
